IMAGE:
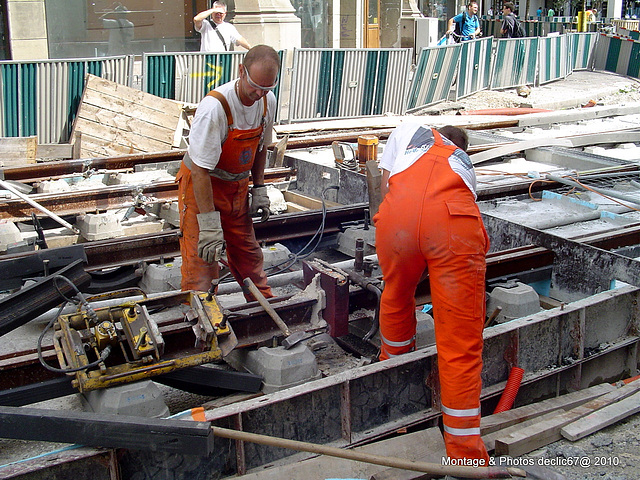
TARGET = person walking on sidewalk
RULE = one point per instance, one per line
(429, 220)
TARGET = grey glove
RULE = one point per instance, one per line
(210, 239)
(260, 202)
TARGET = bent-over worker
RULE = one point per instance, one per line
(429, 219)
(230, 129)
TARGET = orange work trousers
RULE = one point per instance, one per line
(429, 219)
(245, 257)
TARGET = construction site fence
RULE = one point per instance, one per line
(41, 98)
(534, 28)
(339, 83)
(625, 32)
(189, 76)
(489, 63)
(618, 55)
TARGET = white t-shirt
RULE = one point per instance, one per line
(209, 127)
(211, 42)
(409, 141)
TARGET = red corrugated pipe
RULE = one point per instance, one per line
(510, 390)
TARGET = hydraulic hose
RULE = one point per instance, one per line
(510, 390)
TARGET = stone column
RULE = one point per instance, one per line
(27, 29)
(269, 22)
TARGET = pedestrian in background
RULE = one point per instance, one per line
(468, 25)
(217, 35)
(508, 21)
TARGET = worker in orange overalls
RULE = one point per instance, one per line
(429, 219)
(227, 141)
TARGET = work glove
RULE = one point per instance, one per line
(210, 239)
(260, 202)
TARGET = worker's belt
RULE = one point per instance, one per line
(218, 172)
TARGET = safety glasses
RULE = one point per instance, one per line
(255, 85)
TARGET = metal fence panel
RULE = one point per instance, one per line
(515, 62)
(554, 58)
(339, 83)
(618, 55)
(583, 47)
(189, 76)
(434, 75)
(474, 73)
(41, 97)
(625, 32)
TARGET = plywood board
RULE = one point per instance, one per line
(115, 119)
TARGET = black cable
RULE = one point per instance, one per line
(94, 319)
(294, 257)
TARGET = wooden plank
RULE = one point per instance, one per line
(115, 119)
(132, 96)
(93, 102)
(543, 433)
(478, 158)
(502, 420)
(144, 125)
(111, 135)
(294, 207)
(602, 418)
(306, 201)
(97, 147)
(55, 150)
(279, 151)
(103, 430)
(18, 148)
(490, 438)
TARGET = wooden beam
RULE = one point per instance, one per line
(544, 433)
(109, 431)
(602, 418)
(514, 416)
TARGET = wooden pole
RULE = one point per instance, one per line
(394, 462)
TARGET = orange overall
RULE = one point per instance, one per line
(231, 199)
(429, 219)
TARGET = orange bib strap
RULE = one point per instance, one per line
(225, 105)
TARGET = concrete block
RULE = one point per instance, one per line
(517, 300)
(140, 177)
(9, 233)
(161, 277)
(425, 330)
(141, 399)
(99, 226)
(276, 254)
(278, 367)
(276, 197)
(347, 240)
(53, 186)
(169, 213)
(141, 224)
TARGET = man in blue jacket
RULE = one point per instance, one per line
(467, 23)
